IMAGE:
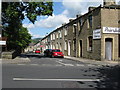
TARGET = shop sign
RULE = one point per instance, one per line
(114, 30)
(2, 42)
(97, 34)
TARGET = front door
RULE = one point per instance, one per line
(68, 48)
(80, 48)
(108, 49)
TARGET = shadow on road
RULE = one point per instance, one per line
(110, 76)
(31, 55)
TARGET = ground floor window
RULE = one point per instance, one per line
(90, 40)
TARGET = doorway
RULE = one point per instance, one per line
(69, 48)
(108, 48)
(81, 48)
(119, 45)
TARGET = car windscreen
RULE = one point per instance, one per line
(56, 50)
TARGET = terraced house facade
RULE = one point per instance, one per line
(94, 35)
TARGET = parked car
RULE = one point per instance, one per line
(56, 53)
(37, 51)
(47, 52)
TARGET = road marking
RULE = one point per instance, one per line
(31, 79)
(69, 65)
(58, 65)
(34, 64)
(46, 64)
(90, 65)
(64, 63)
(60, 62)
(80, 65)
(21, 64)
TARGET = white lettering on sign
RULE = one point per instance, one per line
(114, 30)
(2, 42)
(97, 34)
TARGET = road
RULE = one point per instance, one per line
(45, 72)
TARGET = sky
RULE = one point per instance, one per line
(63, 10)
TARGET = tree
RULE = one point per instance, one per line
(12, 15)
(19, 10)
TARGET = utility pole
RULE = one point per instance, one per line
(0, 47)
(0, 19)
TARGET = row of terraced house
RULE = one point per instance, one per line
(94, 35)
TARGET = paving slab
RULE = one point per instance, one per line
(95, 62)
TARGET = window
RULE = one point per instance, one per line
(90, 39)
(90, 21)
(51, 37)
(65, 46)
(57, 35)
(81, 21)
(74, 28)
(57, 45)
(60, 34)
(56, 51)
(66, 29)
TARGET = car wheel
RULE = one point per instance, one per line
(52, 56)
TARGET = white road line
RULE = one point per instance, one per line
(69, 65)
(60, 62)
(80, 65)
(34, 64)
(31, 79)
(58, 65)
(46, 64)
(64, 63)
(21, 64)
(90, 65)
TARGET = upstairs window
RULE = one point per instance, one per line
(74, 28)
(66, 29)
(57, 35)
(90, 21)
(81, 21)
(60, 34)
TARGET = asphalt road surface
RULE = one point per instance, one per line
(45, 72)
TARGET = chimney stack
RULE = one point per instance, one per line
(109, 2)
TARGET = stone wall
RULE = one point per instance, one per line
(9, 54)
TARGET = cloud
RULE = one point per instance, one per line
(37, 36)
(29, 25)
(74, 7)
(50, 22)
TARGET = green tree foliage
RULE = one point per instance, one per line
(13, 13)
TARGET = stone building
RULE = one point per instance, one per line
(94, 35)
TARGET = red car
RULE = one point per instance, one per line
(56, 53)
(37, 51)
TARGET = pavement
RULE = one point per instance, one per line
(18, 59)
(23, 59)
(94, 62)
